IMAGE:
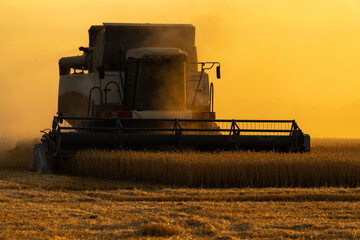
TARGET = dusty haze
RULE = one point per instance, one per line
(280, 59)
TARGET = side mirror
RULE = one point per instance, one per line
(101, 72)
(218, 72)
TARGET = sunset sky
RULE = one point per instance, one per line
(280, 59)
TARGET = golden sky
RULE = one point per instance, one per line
(281, 59)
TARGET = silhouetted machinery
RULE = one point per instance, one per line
(141, 86)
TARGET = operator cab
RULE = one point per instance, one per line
(155, 79)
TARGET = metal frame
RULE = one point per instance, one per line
(294, 126)
(117, 133)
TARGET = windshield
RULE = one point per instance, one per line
(160, 85)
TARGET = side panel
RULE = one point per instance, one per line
(74, 92)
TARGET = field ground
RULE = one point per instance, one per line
(64, 207)
(34, 206)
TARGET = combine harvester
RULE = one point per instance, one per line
(141, 86)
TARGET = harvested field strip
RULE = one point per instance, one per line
(241, 198)
(330, 163)
(35, 206)
(40, 188)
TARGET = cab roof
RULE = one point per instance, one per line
(154, 52)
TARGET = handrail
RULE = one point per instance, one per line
(106, 88)
(173, 119)
(101, 102)
(182, 129)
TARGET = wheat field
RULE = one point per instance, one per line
(331, 162)
(139, 205)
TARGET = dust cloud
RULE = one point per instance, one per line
(279, 59)
(16, 155)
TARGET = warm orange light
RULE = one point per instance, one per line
(280, 59)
